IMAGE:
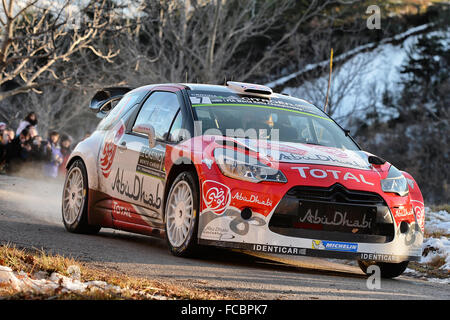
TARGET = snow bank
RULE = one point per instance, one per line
(434, 249)
(359, 83)
(437, 221)
(22, 282)
(345, 55)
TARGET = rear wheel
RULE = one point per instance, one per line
(75, 200)
(387, 270)
(181, 215)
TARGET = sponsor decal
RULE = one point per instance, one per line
(136, 190)
(151, 162)
(377, 257)
(252, 199)
(334, 246)
(236, 224)
(198, 100)
(336, 174)
(333, 151)
(420, 217)
(216, 196)
(242, 226)
(109, 150)
(218, 233)
(401, 212)
(289, 149)
(339, 219)
(121, 209)
(278, 249)
(322, 159)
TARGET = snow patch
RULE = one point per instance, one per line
(434, 249)
(359, 83)
(437, 222)
(38, 283)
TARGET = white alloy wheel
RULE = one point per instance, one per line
(179, 216)
(74, 195)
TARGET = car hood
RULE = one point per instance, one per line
(307, 153)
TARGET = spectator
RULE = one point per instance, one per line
(4, 140)
(65, 144)
(9, 135)
(30, 119)
(2, 132)
(53, 156)
(37, 153)
(32, 130)
(18, 151)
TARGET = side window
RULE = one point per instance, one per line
(159, 110)
(176, 132)
(120, 109)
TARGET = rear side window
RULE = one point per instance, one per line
(121, 108)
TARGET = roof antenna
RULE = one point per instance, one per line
(186, 77)
(329, 81)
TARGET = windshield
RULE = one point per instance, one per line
(286, 120)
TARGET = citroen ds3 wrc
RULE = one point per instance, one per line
(239, 166)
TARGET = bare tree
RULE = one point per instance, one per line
(36, 36)
(213, 40)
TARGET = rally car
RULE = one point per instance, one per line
(242, 167)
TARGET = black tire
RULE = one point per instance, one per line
(189, 247)
(80, 224)
(387, 270)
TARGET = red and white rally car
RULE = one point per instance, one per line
(242, 167)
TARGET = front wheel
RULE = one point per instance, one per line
(387, 270)
(75, 200)
(181, 215)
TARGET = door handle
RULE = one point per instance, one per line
(123, 145)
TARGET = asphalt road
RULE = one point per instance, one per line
(30, 216)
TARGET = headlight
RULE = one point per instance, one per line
(240, 166)
(395, 182)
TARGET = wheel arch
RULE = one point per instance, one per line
(175, 170)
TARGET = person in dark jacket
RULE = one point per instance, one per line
(18, 152)
(37, 153)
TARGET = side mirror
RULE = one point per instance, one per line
(149, 131)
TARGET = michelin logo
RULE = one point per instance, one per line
(334, 246)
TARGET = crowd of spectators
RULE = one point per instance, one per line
(24, 148)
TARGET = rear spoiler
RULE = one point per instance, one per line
(100, 103)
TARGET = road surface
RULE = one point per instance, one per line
(30, 217)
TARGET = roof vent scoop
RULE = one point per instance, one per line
(249, 88)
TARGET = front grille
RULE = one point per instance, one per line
(333, 213)
(337, 193)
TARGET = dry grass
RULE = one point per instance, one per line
(35, 262)
(436, 234)
(430, 270)
(440, 207)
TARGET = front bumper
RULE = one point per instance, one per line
(384, 242)
(277, 225)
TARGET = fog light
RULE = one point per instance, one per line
(246, 213)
